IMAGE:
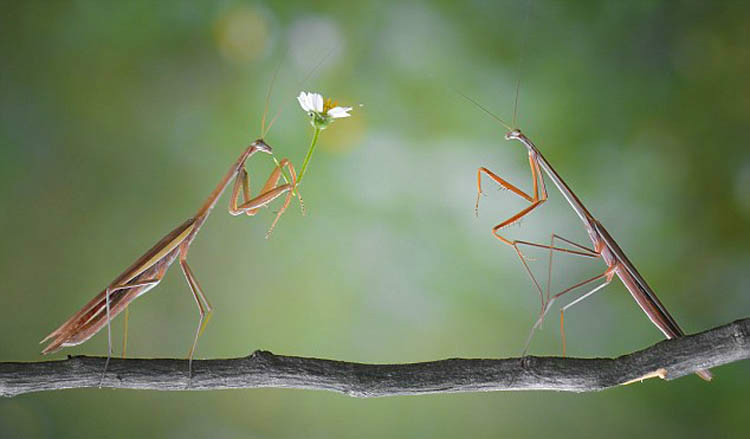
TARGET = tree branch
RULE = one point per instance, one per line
(668, 359)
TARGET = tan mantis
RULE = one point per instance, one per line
(603, 245)
(148, 270)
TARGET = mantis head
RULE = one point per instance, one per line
(513, 134)
(262, 146)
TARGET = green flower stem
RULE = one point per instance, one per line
(309, 154)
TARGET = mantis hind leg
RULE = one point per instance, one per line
(581, 251)
(608, 274)
(577, 300)
(204, 308)
(125, 330)
(107, 294)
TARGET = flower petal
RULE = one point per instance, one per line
(310, 101)
(317, 102)
(339, 112)
(303, 101)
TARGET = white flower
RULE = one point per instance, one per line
(310, 101)
(339, 112)
(322, 111)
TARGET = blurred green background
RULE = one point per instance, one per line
(119, 119)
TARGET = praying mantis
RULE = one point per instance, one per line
(603, 245)
(148, 270)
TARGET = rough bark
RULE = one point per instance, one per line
(668, 359)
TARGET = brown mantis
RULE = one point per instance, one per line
(604, 246)
(148, 270)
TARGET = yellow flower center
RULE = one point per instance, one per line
(328, 104)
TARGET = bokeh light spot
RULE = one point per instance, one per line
(241, 34)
